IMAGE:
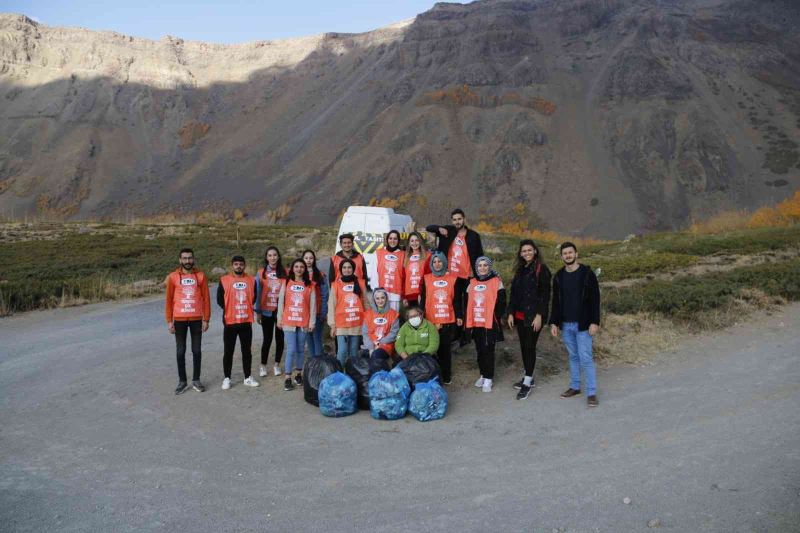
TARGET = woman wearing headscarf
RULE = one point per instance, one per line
(346, 310)
(486, 303)
(390, 268)
(381, 324)
(441, 298)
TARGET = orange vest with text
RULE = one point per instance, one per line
(416, 268)
(481, 297)
(390, 270)
(239, 296)
(296, 305)
(458, 258)
(357, 259)
(378, 326)
(270, 290)
(439, 293)
(188, 300)
(349, 311)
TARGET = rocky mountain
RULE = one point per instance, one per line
(591, 116)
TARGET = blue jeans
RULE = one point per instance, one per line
(347, 346)
(295, 339)
(579, 346)
(314, 339)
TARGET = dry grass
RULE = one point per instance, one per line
(783, 214)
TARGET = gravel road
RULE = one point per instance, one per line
(92, 438)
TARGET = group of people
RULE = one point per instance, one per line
(446, 295)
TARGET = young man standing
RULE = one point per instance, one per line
(236, 295)
(187, 309)
(346, 241)
(462, 246)
(576, 312)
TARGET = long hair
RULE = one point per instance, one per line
(386, 238)
(279, 270)
(520, 262)
(306, 279)
(423, 250)
(316, 274)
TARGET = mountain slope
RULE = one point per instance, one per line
(598, 116)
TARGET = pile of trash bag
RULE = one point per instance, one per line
(337, 395)
(419, 369)
(314, 371)
(388, 394)
(360, 369)
(428, 401)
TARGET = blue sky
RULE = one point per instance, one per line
(230, 21)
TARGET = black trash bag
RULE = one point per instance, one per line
(420, 369)
(358, 368)
(376, 364)
(314, 371)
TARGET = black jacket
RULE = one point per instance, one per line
(590, 299)
(474, 246)
(530, 294)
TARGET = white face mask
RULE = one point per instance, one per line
(415, 321)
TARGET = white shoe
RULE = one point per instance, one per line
(479, 382)
(250, 382)
(487, 385)
(276, 370)
(262, 371)
(226, 383)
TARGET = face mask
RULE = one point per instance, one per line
(415, 321)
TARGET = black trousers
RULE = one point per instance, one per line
(484, 345)
(245, 334)
(182, 327)
(447, 335)
(269, 325)
(527, 344)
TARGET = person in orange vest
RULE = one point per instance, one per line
(297, 316)
(236, 295)
(415, 265)
(269, 281)
(346, 310)
(486, 303)
(462, 245)
(187, 309)
(441, 297)
(347, 242)
(390, 259)
(321, 289)
(381, 324)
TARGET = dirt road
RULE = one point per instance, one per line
(92, 438)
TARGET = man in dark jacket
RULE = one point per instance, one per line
(462, 246)
(576, 312)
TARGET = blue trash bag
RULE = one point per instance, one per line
(428, 401)
(388, 395)
(338, 395)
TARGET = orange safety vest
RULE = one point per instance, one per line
(349, 311)
(357, 259)
(416, 268)
(481, 297)
(378, 326)
(187, 300)
(439, 293)
(458, 258)
(296, 305)
(390, 270)
(239, 295)
(270, 290)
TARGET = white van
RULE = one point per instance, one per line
(368, 225)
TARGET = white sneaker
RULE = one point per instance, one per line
(262, 371)
(487, 385)
(276, 370)
(479, 382)
(250, 382)
(226, 383)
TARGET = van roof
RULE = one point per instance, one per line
(368, 210)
